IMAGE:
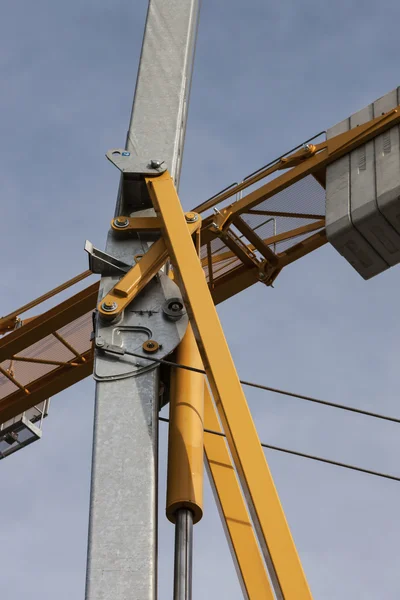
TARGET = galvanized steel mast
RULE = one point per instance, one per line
(122, 561)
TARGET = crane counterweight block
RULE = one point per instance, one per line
(363, 194)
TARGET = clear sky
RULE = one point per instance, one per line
(267, 76)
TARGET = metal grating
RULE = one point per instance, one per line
(297, 206)
(77, 335)
(306, 197)
(217, 249)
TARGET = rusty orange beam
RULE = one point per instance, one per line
(45, 387)
(302, 249)
(287, 235)
(277, 213)
(48, 322)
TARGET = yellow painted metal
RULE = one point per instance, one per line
(287, 235)
(309, 160)
(134, 281)
(283, 163)
(135, 224)
(137, 278)
(267, 513)
(236, 519)
(223, 285)
(302, 249)
(293, 233)
(185, 442)
(290, 215)
(327, 152)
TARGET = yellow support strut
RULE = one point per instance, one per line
(274, 536)
(185, 442)
(233, 511)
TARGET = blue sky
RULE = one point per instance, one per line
(267, 76)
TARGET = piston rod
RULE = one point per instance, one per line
(185, 460)
(183, 554)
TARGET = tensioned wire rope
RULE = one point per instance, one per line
(293, 395)
(309, 456)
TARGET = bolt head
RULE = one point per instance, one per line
(174, 309)
(191, 217)
(156, 164)
(100, 343)
(109, 306)
(150, 346)
(121, 222)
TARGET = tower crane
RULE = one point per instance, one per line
(149, 331)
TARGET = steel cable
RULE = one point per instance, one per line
(293, 395)
(310, 456)
(267, 388)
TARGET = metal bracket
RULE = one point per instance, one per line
(121, 295)
(136, 224)
(135, 165)
(139, 325)
(113, 348)
(134, 169)
(104, 264)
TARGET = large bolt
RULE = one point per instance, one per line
(175, 307)
(150, 346)
(109, 306)
(121, 222)
(191, 217)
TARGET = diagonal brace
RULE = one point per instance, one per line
(233, 511)
(274, 536)
(129, 286)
